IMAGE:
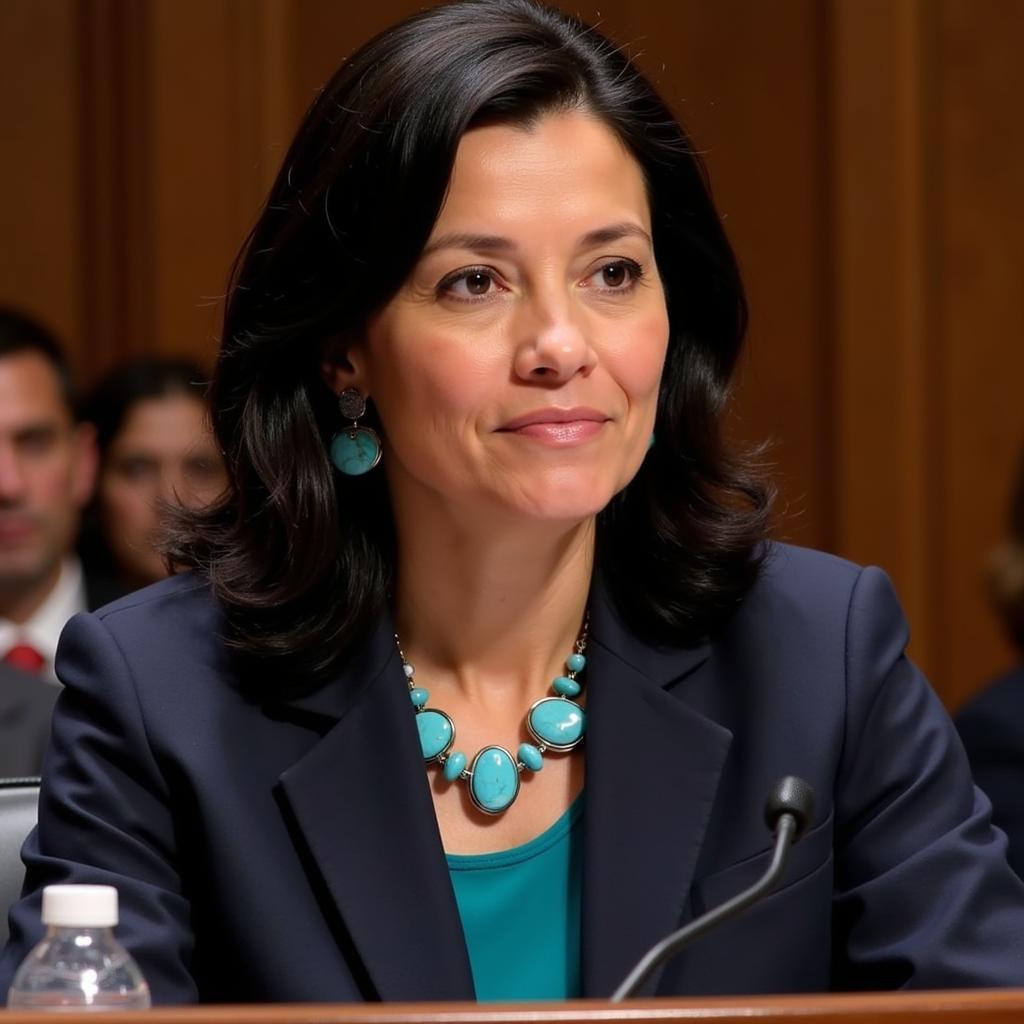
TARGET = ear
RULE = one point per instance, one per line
(343, 365)
(86, 464)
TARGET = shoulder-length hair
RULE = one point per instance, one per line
(302, 558)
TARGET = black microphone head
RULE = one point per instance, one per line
(790, 795)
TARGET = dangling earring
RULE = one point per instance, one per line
(354, 450)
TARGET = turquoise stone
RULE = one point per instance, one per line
(575, 663)
(566, 687)
(556, 723)
(531, 757)
(419, 696)
(454, 765)
(355, 452)
(436, 733)
(495, 781)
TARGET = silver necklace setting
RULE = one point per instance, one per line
(555, 723)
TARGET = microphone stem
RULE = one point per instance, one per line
(673, 943)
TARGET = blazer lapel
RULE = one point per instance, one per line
(652, 771)
(361, 802)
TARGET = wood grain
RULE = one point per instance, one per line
(979, 1007)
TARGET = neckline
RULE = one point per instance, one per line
(518, 854)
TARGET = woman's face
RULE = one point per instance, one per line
(517, 371)
(164, 449)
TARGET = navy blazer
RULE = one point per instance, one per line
(288, 850)
(992, 730)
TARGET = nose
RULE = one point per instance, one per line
(12, 477)
(554, 346)
(170, 488)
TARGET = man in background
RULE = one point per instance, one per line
(25, 709)
(47, 472)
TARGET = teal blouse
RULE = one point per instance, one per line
(520, 912)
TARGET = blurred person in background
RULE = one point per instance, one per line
(156, 449)
(47, 472)
(25, 709)
(992, 725)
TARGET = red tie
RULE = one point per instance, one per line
(27, 658)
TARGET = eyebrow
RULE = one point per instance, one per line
(615, 233)
(498, 244)
(34, 431)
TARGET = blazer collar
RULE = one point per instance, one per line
(331, 701)
(661, 665)
(652, 769)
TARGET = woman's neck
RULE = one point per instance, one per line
(493, 609)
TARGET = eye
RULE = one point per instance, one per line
(468, 284)
(203, 469)
(135, 467)
(616, 276)
(37, 441)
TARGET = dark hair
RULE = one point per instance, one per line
(300, 557)
(21, 333)
(113, 397)
(1006, 567)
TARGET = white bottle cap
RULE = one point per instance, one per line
(80, 906)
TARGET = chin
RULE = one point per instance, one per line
(564, 502)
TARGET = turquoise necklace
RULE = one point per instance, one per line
(555, 723)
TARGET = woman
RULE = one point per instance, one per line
(992, 725)
(156, 449)
(492, 234)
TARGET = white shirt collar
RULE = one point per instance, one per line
(43, 629)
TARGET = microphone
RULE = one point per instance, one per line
(787, 813)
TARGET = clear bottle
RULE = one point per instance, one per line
(79, 965)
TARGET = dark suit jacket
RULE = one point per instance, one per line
(289, 851)
(26, 704)
(992, 728)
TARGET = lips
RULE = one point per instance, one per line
(15, 530)
(557, 428)
(547, 416)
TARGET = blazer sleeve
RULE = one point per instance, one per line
(105, 817)
(924, 896)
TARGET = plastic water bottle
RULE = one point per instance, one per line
(79, 965)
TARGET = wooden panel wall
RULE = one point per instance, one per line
(41, 169)
(867, 156)
(881, 274)
(976, 173)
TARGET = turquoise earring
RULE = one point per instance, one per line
(354, 450)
